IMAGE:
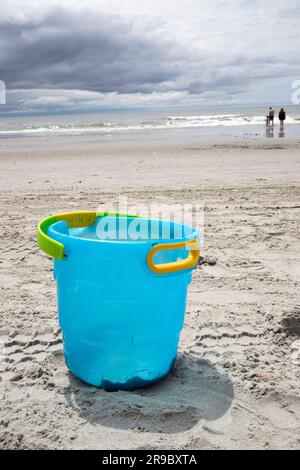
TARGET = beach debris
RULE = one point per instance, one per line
(290, 321)
(211, 261)
(207, 260)
(56, 331)
(201, 261)
(16, 377)
(266, 376)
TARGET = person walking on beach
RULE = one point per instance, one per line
(271, 116)
(281, 117)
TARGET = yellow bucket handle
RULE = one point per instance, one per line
(180, 265)
(74, 220)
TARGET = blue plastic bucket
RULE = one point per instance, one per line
(122, 289)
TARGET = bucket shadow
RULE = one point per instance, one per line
(195, 390)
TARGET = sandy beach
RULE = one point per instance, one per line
(236, 381)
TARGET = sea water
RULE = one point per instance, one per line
(225, 122)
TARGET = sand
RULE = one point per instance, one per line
(236, 381)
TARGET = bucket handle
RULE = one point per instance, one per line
(180, 265)
(74, 220)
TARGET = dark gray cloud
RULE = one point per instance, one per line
(84, 51)
(51, 58)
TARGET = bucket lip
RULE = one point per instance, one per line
(59, 236)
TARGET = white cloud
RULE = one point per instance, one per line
(34, 101)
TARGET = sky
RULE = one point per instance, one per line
(76, 56)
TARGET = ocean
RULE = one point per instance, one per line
(243, 122)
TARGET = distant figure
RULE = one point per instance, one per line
(271, 116)
(281, 117)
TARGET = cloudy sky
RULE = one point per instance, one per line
(110, 54)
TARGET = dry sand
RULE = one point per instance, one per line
(236, 382)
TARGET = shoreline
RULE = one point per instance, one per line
(162, 135)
